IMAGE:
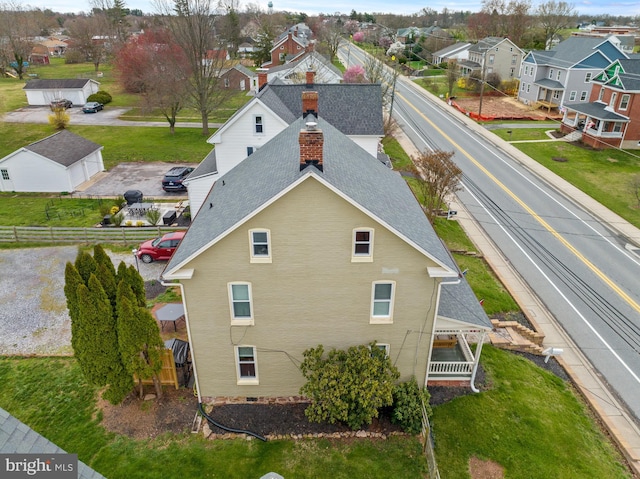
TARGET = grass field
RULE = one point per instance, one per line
(529, 421)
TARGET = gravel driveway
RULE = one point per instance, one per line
(33, 317)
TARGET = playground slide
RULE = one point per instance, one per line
(11, 75)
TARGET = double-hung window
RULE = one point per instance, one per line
(246, 365)
(258, 124)
(583, 96)
(260, 245)
(5, 174)
(240, 304)
(624, 101)
(382, 294)
(587, 77)
(362, 251)
(572, 95)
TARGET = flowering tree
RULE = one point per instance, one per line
(355, 74)
(358, 37)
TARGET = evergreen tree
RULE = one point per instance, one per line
(108, 282)
(139, 339)
(72, 280)
(86, 265)
(101, 257)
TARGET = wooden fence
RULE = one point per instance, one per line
(168, 374)
(113, 235)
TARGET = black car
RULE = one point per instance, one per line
(173, 179)
(92, 107)
(60, 103)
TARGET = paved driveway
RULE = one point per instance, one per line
(33, 316)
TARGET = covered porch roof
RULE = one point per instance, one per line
(597, 110)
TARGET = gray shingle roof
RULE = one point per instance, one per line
(597, 110)
(207, 166)
(353, 108)
(550, 84)
(48, 84)
(347, 167)
(458, 301)
(18, 438)
(64, 147)
(569, 52)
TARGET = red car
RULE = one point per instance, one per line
(160, 248)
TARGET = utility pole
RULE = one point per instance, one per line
(482, 77)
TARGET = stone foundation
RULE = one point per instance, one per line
(222, 400)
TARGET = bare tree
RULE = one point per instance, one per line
(453, 73)
(17, 26)
(553, 17)
(90, 34)
(634, 187)
(331, 36)
(437, 177)
(192, 24)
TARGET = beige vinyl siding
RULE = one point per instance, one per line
(311, 293)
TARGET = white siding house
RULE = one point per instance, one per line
(58, 163)
(42, 92)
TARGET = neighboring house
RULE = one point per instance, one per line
(551, 78)
(411, 35)
(239, 77)
(246, 48)
(296, 71)
(289, 45)
(355, 109)
(457, 52)
(39, 55)
(215, 56)
(611, 118)
(258, 292)
(624, 42)
(58, 163)
(18, 438)
(493, 55)
(41, 92)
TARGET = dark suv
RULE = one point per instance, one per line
(173, 179)
(60, 103)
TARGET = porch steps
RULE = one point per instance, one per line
(573, 136)
(516, 337)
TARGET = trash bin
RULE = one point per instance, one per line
(106, 220)
(169, 218)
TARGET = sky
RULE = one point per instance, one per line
(583, 7)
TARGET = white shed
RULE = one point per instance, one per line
(41, 92)
(58, 163)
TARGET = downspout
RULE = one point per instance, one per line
(186, 321)
(476, 362)
(435, 319)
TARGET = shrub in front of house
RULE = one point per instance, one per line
(408, 399)
(100, 96)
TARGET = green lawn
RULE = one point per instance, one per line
(530, 422)
(51, 396)
(121, 143)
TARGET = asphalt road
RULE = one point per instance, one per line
(576, 262)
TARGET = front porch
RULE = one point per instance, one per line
(600, 127)
(452, 359)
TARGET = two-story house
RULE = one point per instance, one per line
(296, 71)
(355, 109)
(296, 41)
(551, 78)
(611, 118)
(310, 241)
(493, 55)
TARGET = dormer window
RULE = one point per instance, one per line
(362, 251)
(259, 240)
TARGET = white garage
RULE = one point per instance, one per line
(56, 164)
(41, 92)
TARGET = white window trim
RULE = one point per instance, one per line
(385, 346)
(246, 381)
(625, 99)
(362, 258)
(255, 124)
(573, 95)
(388, 319)
(587, 77)
(583, 96)
(240, 321)
(259, 258)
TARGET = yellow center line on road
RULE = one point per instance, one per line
(544, 224)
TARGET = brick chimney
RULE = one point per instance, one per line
(311, 142)
(262, 80)
(309, 103)
(311, 75)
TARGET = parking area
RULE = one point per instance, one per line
(145, 177)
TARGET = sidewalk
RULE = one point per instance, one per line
(613, 414)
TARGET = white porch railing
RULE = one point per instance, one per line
(451, 367)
